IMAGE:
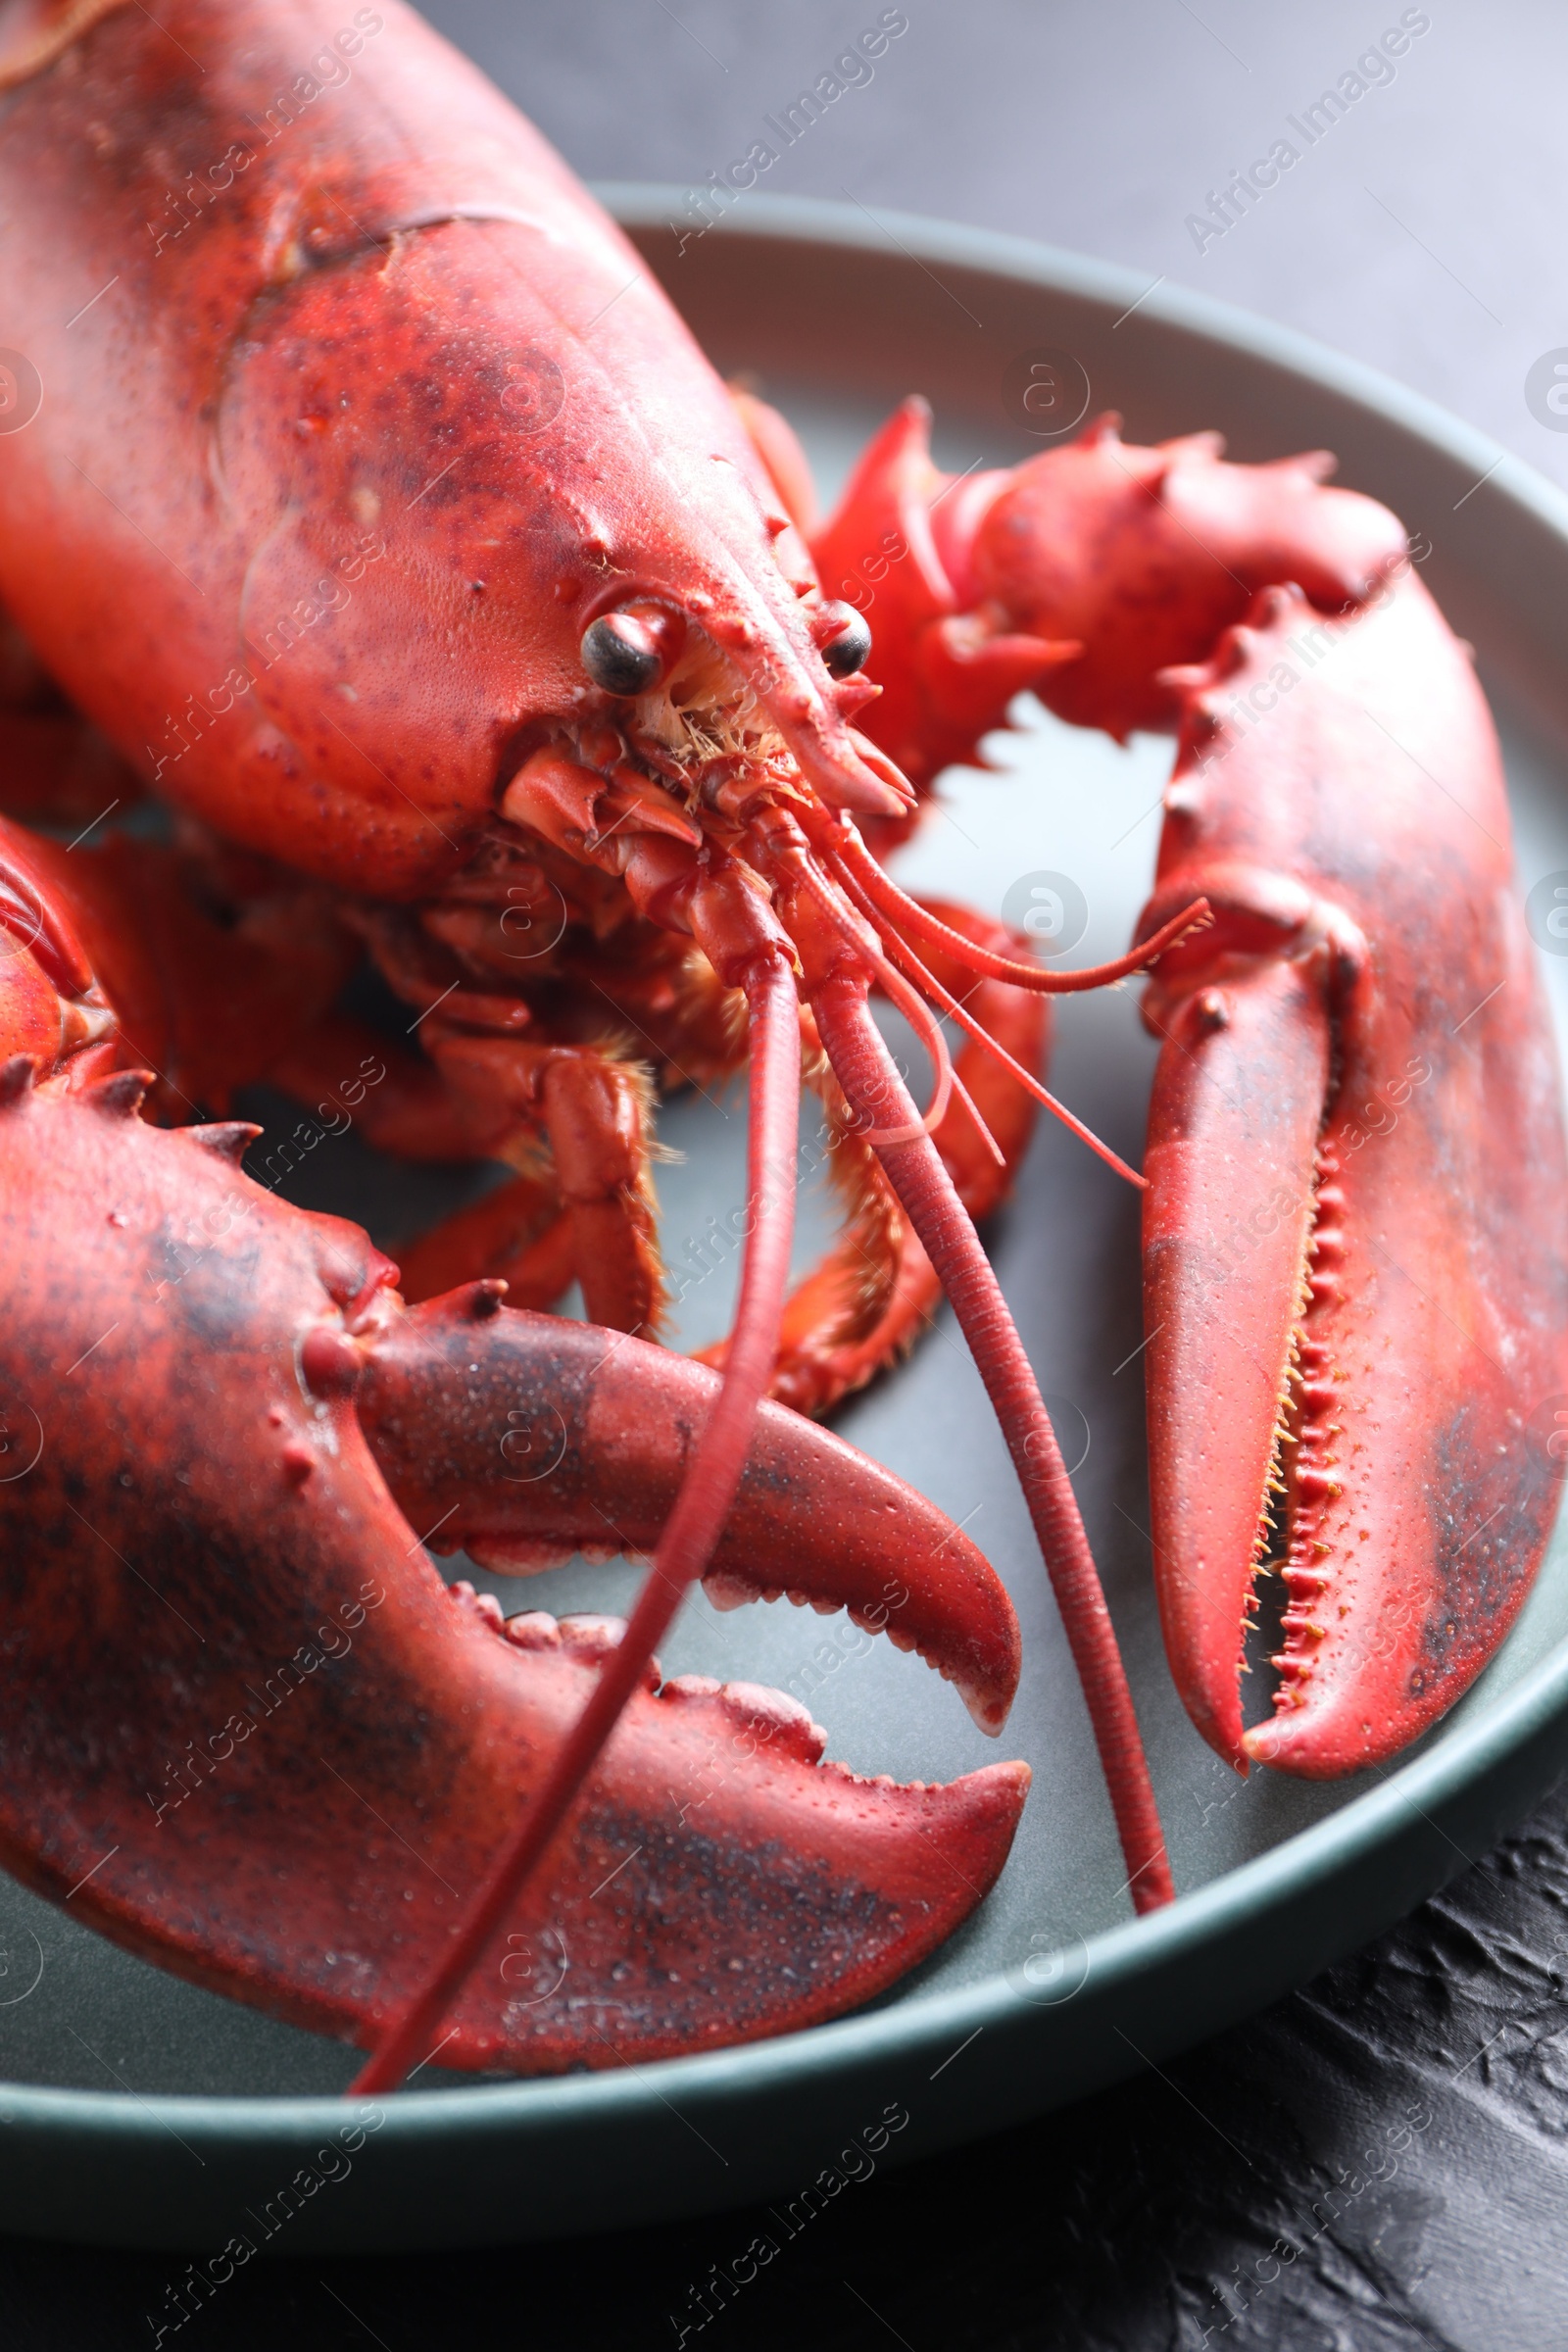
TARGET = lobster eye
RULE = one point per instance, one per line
(848, 648)
(626, 653)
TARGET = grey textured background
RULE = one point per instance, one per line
(1423, 233)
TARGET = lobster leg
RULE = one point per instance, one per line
(410, 1110)
(594, 1109)
(598, 1116)
(518, 1234)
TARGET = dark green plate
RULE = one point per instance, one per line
(139, 2111)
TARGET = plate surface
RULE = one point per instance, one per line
(137, 2110)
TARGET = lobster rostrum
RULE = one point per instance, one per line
(492, 604)
(1355, 1238)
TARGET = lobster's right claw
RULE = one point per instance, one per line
(561, 1436)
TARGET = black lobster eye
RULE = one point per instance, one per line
(621, 653)
(849, 647)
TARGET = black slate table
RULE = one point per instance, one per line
(1381, 2160)
(1378, 2164)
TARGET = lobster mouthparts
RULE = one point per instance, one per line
(1356, 1287)
(291, 1752)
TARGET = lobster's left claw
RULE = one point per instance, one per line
(1356, 1286)
(1227, 1225)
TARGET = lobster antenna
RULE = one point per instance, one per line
(912, 1006)
(973, 1108)
(917, 1011)
(694, 1526)
(929, 1032)
(950, 1005)
(852, 856)
(865, 1071)
(945, 1229)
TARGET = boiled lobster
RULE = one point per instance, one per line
(460, 613)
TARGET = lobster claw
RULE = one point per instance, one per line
(1227, 1226)
(291, 1752)
(1356, 1286)
(945, 670)
(561, 1438)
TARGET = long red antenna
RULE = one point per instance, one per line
(866, 1072)
(986, 1139)
(928, 1030)
(852, 858)
(903, 954)
(915, 1010)
(694, 1526)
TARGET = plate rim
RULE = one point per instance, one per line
(909, 2028)
(916, 2027)
(637, 203)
